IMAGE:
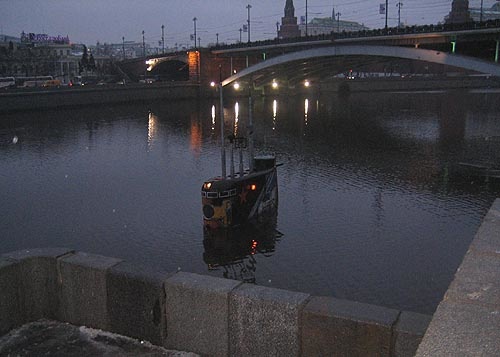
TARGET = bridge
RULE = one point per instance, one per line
(430, 49)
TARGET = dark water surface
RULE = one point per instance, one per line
(372, 207)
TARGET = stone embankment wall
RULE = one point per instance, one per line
(45, 98)
(467, 321)
(220, 317)
(190, 312)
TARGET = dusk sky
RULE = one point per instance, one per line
(89, 21)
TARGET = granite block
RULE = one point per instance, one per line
(461, 329)
(333, 327)
(10, 309)
(264, 321)
(38, 272)
(408, 333)
(82, 287)
(136, 302)
(197, 313)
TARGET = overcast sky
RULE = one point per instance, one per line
(89, 21)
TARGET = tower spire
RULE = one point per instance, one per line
(289, 9)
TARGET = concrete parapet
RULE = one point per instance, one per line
(467, 321)
(333, 327)
(11, 315)
(408, 333)
(83, 289)
(265, 321)
(203, 314)
(198, 314)
(38, 286)
(136, 302)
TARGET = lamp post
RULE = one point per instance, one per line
(386, 13)
(123, 47)
(248, 21)
(399, 5)
(240, 33)
(306, 18)
(217, 43)
(481, 14)
(199, 42)
(194, 21)
(278, 31)
(338, 21)
(162, 39)
(143, 45)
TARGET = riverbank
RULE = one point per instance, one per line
(47, 98)
(96, 95)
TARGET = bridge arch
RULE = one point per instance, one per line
(302, 58)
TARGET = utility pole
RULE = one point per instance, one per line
(481, 14)
(194, 21)
(248, 21)
(386, 13)
(143, 45)
(306, 19)
(399, 5)
(123, 46)
(162, 39)
(338, 21)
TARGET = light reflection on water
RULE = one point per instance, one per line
(372, 207)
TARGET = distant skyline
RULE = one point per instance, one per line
(108, 21)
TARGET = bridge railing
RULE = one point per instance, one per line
(433, 28)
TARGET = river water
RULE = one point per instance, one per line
(374, 206)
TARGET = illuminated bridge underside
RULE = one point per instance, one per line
(320, 63)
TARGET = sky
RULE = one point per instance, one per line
(90, 21)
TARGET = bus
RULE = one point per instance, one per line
(7, 82)
(35, 81)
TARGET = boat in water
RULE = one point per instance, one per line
(248, 196)
(251, 197)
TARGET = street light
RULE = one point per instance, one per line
(399, 5)
(278, 31)
(338, 21)
(306, 18)
(386, 13)
(143, 45)
(217, 43)
(123, 46)
(194, 21)
(240, 33)
(162, 39)
(248, 21)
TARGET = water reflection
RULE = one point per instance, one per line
(235, 252)
(152, 128)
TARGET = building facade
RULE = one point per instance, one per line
(493, 13)
(38, 55)
(327, 25)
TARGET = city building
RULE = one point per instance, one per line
(289, 27)
(38, 55)
(492, 13)
(327, 25)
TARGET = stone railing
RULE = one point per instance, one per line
(190, 312)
